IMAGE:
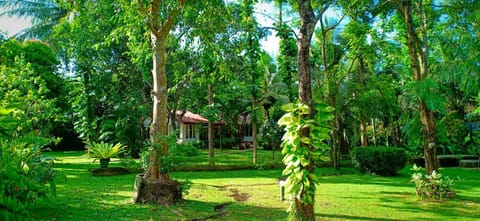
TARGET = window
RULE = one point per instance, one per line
(190, 131)
(248, 131)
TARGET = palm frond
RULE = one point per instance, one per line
(44, 15)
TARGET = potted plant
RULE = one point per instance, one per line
(104, 151)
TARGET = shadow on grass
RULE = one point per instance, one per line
(84, 197)
(444, 210)
(186, 210)
(347, 217)
(468, 179)
(458, 208)
(397, 181)
(75, 166)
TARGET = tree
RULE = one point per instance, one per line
(457, 72)
(305, 197)
(27, 77)
(252, 47)
(107, 93)
(160, 19)
(418, 48)
(356, 33)
(331, 79)
(28, 112)
(274, 94)
(287, 58)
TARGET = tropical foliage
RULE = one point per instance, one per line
(104, 150)
(301, 153)
(30, 106)
(26, 175)
(387, 68)
(434, 186)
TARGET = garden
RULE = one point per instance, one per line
(253, 194)
(239, 110)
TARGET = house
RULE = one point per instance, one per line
(189, 124)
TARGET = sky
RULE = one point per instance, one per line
(13, 25)
(270, 45)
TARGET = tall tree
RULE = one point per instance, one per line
(160, 18)
(107, 92)
(287, 57)
(415, 18)
(303, 209)
(252, 57)
(330, 56)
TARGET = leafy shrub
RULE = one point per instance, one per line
(29, 109)
(384, 161)
(432, 186)
(225, 142)
(104, 150)
(24, 176)
(184, 149)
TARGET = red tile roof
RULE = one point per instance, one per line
(191, 118)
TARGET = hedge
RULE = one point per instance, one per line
(383, 161)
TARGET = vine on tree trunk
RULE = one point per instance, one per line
(301, 153)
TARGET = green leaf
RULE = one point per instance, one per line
(286, 119)
(5, 111)
(305, 140)
(304, 162)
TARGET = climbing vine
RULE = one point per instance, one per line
(300, 152)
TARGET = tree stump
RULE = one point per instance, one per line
(153, 191)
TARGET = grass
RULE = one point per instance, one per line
(224, 157)
(233, 157)
(340, 196)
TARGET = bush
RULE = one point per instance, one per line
(25, 177)
(226, 142)
(184, 149)
(432, 186)
(384, 161)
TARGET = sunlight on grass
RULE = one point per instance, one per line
(255, 195)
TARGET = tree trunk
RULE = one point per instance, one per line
(429, 145)
(363, 133)
(305, 211)
(363, 120)
(337, 138)
(254, 130)
(89, 135)
(374, 132)
(157, 186)
(173, 114)
(159, 116)
(211, 150)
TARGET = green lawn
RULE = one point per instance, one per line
(349, 196)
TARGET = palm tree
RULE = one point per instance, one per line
(44, 15)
